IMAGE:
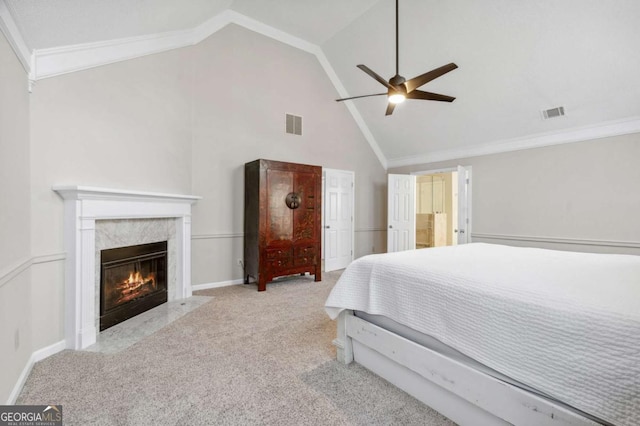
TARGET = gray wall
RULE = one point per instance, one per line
(15, 245)
(125, 125)
(244, 85)
(183, 121)
(579, 196)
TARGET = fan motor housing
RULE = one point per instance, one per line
(397, 80)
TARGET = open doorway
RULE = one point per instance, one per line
(402, 212)
(436, 209)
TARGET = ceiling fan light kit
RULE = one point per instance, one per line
(399, 89)
(397, 98)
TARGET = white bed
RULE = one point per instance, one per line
(559, 332)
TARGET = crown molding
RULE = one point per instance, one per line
(342, 93)
(578, 134)
(11, 32)
(66, 59)
(231, 17)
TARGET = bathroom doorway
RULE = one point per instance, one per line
(436, 209)
(444, 194)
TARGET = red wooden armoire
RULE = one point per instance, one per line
(282, 220)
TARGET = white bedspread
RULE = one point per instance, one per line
(567, 324)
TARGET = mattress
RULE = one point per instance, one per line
(563, 323)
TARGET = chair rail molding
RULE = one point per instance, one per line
(217, 236)
(558, 240)
(21, 265)
(371, 229)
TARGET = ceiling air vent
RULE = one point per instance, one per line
(294, 124)
(553, 113)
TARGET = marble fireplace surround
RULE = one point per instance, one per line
(83, 206)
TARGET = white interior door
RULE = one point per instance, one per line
(338, 219)
(464, 205)
(401, 215)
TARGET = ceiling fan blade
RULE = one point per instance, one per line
(428, 96)
(390, 108)
(361, 96)
(379, 79)
(418, 81)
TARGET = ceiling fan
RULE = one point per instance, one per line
(400, 89)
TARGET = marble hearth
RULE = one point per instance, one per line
(99, 218)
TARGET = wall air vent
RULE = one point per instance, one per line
(294, 125)
(553, 113)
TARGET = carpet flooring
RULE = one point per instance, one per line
(243, 358)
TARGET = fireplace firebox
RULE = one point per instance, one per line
(133, 280)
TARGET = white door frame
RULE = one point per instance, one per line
(353, 208)
(469, 187)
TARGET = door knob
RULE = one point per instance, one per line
(390, 226)
(327, 226)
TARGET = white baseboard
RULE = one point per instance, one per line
(36, 356)
(218, 284)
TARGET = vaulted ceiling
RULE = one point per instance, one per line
(515, 59)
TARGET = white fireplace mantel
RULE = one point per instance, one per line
(83, 206)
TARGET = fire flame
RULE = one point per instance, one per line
(135, 286)
(136, 280)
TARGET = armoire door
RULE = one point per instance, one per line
(305, 216)
(280, 218)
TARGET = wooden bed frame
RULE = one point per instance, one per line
(461, 393)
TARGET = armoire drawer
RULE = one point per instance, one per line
(304, 251)
(279, 258)
(278, 254)
(304, 255)
(281, 263)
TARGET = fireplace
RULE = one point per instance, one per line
(85, 208)
(133, 280)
